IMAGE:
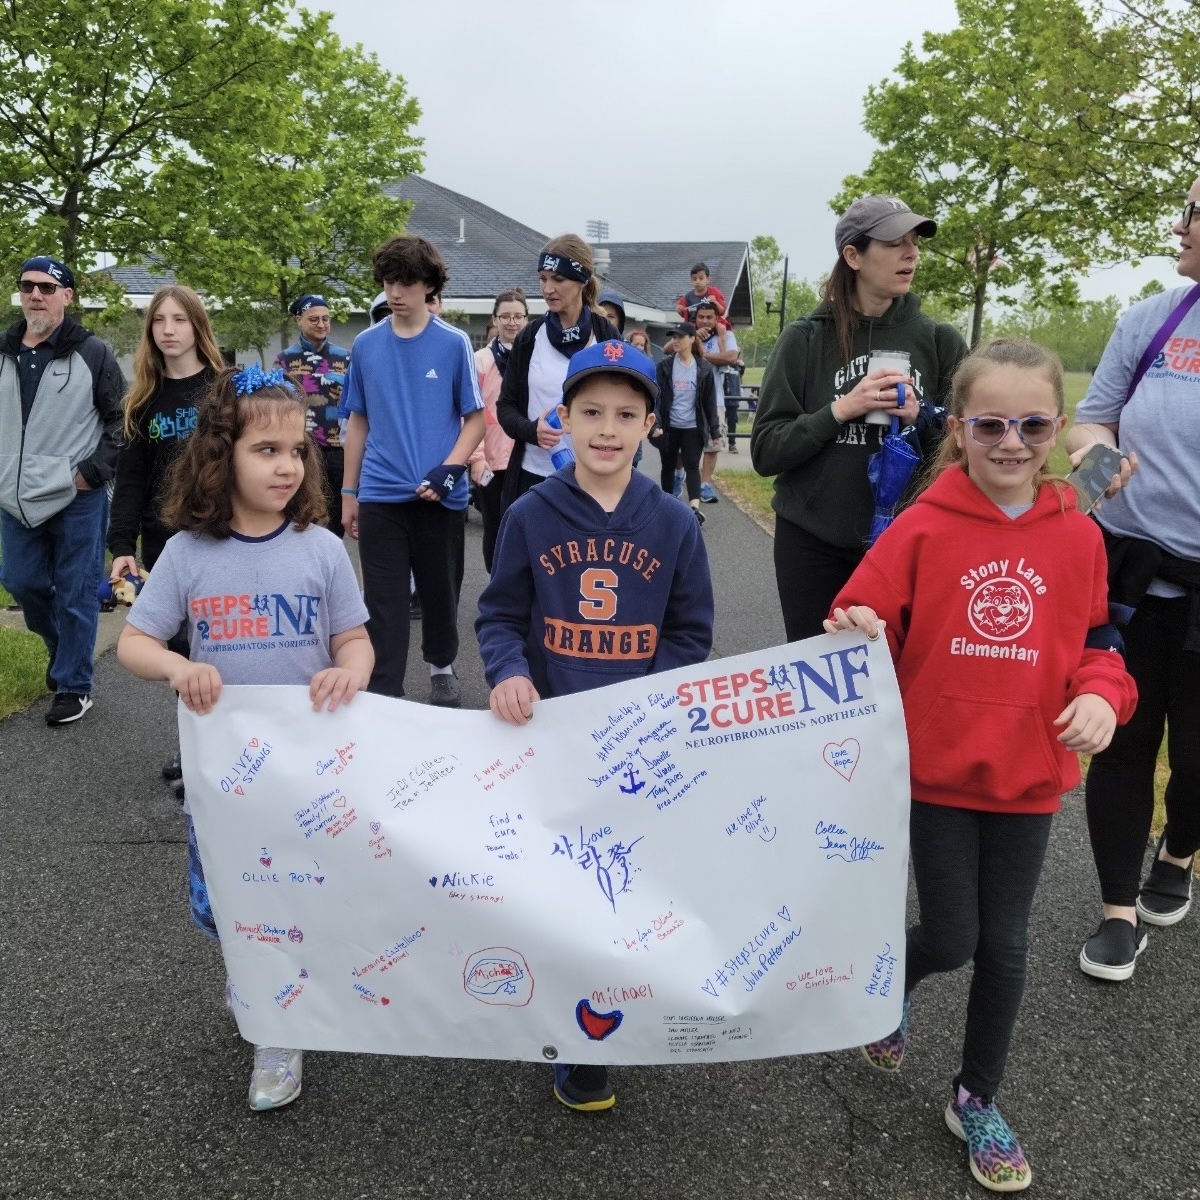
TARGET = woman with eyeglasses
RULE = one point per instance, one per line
(1145, 401)
(814, 429)
(490, 461)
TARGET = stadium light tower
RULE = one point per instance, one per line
(597, 231)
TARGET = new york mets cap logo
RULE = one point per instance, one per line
(616, 358)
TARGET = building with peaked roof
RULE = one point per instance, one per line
(487, 251)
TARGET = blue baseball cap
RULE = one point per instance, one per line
(612, 358)
(52, 267)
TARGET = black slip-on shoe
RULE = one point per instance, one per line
(1111, 952)
(1166, 896)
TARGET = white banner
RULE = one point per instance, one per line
(702, 865)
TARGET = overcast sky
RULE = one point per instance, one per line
(700, 121)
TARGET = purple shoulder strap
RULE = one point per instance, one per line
(1159, 340)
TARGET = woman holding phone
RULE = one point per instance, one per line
(812, 430)
(1142, 401)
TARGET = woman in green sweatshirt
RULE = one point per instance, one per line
(809, 430)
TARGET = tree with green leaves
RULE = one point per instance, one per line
(1077, 333)
(979, 130)
(304, 213)
(238, 142)
(766, 271)
(98, 97)
(1132, 87)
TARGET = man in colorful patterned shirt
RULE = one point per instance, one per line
(321, 367)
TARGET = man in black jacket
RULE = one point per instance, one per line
(60, 426)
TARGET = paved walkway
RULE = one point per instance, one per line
(121, 1075)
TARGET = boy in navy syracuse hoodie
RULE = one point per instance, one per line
(599, 576)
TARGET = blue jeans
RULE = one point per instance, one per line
(53, 571)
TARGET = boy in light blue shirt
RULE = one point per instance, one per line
(415, 416)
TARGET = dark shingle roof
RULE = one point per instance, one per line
(497, 252)
(143, 279)
(659, 270)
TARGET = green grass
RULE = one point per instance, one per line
(23, 663)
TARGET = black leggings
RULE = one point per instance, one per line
(809, 573)
(1120, 782)
(689, 444)
(976, 874)
(491, 509)
(426, 538)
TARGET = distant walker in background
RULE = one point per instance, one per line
(60, 427)
(321, 367)
(687, 304)
(490, 460)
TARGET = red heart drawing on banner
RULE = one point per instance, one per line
(384, 1000)
(340, 802)
(266, 862)
(843, 756)
(239, 790)
(254, 743)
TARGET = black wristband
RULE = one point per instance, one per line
(443, 479)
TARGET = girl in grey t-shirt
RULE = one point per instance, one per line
(268, 596)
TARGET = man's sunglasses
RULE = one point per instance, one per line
(26, 286)
(1189, 211)
(991, 431)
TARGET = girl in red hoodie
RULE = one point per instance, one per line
(991, 589)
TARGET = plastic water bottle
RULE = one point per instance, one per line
(560, 457)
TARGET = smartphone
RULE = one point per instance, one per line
(1094, 474)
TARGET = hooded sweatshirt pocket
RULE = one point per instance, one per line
(981, 747)
(47, 485)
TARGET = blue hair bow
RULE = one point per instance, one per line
(253, 379)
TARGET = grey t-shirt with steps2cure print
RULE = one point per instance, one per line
(260, 610)
(1161, 423)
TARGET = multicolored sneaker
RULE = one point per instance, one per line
(993, 1152)
(275, 1080)
(583, 1088)
(888, 1053)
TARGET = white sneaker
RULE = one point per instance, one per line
(275, 1080)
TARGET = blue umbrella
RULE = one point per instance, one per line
(889, 469)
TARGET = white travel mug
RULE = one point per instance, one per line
(887, 360)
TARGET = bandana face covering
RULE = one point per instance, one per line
(570, 340)
(501, 353)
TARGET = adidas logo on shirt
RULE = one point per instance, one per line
(431, 374)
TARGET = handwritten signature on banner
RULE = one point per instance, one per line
(611, 863)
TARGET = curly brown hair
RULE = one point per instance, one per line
(199, 488)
